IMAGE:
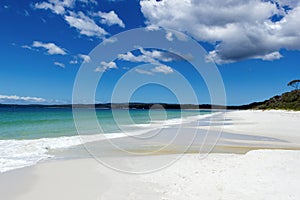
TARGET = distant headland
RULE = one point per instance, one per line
(286, 101)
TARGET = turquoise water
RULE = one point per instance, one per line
(28, 134)
(34, 123)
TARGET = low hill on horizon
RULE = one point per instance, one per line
(286, 101)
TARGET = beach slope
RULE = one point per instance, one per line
(258, 174)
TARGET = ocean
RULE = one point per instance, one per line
(28, 134)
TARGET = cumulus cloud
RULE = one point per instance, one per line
(84, 22)
(151, 27)
(157, 55)
(60, 7)
(272, 56)
(110, 18)
(106, 66)
(153, 57)
(56, 6)
(15, 98)
(169, 36)
(132, 58)
(238, 29)
(80, 58)
(51, 48)
(85, 25)
(110, 40)
(163, 69)
(59, 64)
(143, 71)
(85, 58)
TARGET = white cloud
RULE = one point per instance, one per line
(153, 56)
(109, 40)
(85, 58)
(162, 69)
(152, 27)
(27, 47)
(83, 22)
(157, 55)
(85, 25)
(241, 29)
(143, 71)
(56, 6)
(89, 1)
(59, 64)
(10, 98)
(106, 66)
(213, 56)
(157, 69)
(74, 61)
(50, 47)
(110, 18)
(169, 36)
(80, 58)
(60, 7)
(130, 57)
(272, 56)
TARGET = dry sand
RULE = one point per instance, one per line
(258, 174)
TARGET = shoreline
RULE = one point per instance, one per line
(235, 137)
(231, 140)
(267, 174)
(45, 148)
(262, 170)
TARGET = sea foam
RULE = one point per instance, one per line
(15, 154)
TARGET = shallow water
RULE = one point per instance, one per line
(28, 134)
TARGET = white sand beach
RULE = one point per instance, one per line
(278, 124)
(263, 172)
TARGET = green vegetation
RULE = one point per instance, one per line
(294, 84)
(286, 101)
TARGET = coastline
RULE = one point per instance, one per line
(17, 153)
(260, 174)
(241, 132)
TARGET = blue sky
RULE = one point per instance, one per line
(43, 43)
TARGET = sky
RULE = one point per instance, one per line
(255, 45)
